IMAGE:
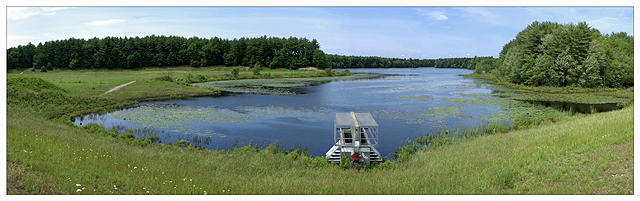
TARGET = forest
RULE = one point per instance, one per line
(339, 61)
(160, 51)
(566, 55)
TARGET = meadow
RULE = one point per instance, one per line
(47, 154)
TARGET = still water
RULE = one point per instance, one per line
(405, 103)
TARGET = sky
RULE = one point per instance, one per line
(395, 32)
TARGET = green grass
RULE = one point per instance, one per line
(566, 94)
(585, 154)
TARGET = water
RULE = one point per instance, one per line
(405, 104)
(577, 107)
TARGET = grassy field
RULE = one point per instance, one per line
(590, 154)
(86, 88)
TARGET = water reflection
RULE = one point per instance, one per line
(577, 107)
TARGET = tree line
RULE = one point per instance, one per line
(160, 51)
(560, 55)
(339, 61)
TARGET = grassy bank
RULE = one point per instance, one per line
(566, 94)
(589, 154)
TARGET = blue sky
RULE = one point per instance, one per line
(397, 32)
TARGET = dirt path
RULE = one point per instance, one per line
(311, 68)
(118, 87)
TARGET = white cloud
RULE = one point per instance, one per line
(17, 13)
(104, 22)
(607, 25)
(17, 37)
(439, 17)
(436, 15)
(484, 15)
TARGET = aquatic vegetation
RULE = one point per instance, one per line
(182, 118)
(587, 98)
(417, 97)
(276, 86)
(429, 116)
(472, 102)
(442, 112)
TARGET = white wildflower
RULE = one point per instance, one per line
(78, 185)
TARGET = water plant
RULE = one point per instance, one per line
(275, 86)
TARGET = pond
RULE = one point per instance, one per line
(405, 103)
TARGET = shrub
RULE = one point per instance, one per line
(328, 72)
(182, 143)
(235, 71)
(319, 161)
(190, 78)
(256, 69)
(202, 78)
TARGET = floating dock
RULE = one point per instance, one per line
(355, 136)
